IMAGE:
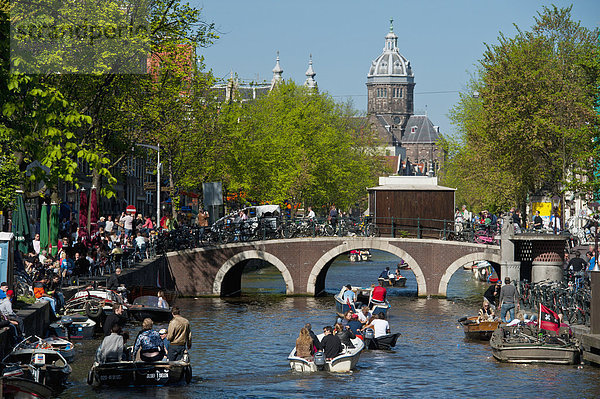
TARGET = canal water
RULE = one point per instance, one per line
(241, 345)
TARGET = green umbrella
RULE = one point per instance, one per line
(44, 227)
(54, 228)
(21, 225)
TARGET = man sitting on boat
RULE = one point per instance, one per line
(364, 316)
(385, 274)
(332, 346)
(486, 313)
(111, 348)
(316, 342)
(349, 297)
(379, 325)
(354, 325)
(379, 293)
(149, 344)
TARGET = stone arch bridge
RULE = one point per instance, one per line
(304, 262)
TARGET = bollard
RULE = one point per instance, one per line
(418, 227)
(393, 228)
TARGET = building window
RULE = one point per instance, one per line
(385, 92)
(400, 93)
(413, 129)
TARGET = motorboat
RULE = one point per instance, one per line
(529, 344)
(19, 388)
(384, 342)
(95, 303)
(73, 327)
(141, 373)
(477, 329)
(64, 347)
(359, 255)
(483, 271)
(147, 307)
(398, 281)
(344, 362)
(363, 296)
(44, 366)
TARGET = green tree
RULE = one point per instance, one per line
(531, 127)
(299, 145)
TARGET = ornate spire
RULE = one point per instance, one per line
(310, 73)
(277, 73)
(391, 40)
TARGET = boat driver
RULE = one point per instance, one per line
(332, 346)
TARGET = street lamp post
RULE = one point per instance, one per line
(157, 149)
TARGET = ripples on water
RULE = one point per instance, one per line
(241, 345)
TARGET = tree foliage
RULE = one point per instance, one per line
(531, 128)
(299, 145)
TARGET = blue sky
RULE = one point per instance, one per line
(443, 39)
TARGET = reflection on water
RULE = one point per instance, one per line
(241, 345)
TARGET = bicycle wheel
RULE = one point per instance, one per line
(289, 231)
(328, 230)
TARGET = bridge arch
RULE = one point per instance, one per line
(317, 278)
(460, 262)
(221, 275)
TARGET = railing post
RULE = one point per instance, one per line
(393, 228)
(444, 236)
(418, 227)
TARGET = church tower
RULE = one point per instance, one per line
(390, 87)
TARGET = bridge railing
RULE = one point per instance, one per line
(287, 228)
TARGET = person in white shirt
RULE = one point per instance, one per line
(379, 325)
(311, 213)
(109, 225)
(36, 244)
(364, 315)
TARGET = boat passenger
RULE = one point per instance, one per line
(385, 274)
(149, 343)
(486, 313)
(364, 316)
(304, 345)
(332, 346)
(379, 325)
(163, 336)
(111, 348)
(347, 317)
(179, 335)
(379, 293)
(116, 317)
(354, 325)
(162, 302)
(316, 342)
(344, 334)
(349, 296)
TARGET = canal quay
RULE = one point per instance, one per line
(241, 346)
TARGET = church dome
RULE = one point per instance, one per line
(390, 66)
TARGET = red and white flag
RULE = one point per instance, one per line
(548, 319)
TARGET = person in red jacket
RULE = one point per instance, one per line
(379, 293)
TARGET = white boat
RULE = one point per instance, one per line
(344, 362)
